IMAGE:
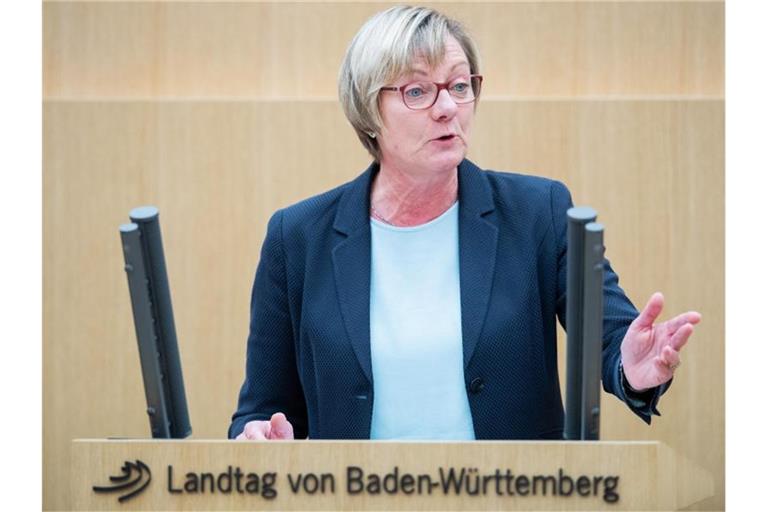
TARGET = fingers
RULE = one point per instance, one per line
(278, 427)
(690, 317)
(650, 312)
(281, 428)
(670, 356)
(663, 368)
(256, 431)
(680, 338)
(668, 361)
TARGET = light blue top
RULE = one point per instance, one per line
(416, 344)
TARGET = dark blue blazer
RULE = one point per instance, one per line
(309, 350)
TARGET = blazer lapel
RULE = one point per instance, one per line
(478, 239)
(352, 266)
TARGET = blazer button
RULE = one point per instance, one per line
(476, 385)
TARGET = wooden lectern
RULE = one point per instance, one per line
(381, 475)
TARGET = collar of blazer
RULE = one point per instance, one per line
(478, 238)
(475, 197)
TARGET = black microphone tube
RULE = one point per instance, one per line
(578, 218)
(147, 218)
(593, 331)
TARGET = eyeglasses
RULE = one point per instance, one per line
(422, 95)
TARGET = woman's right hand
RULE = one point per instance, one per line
(278, 427)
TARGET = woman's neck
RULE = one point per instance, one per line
(404, 199)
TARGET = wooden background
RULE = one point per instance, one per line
(221, 112)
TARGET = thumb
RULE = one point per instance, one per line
(650, 312)
(281, 428)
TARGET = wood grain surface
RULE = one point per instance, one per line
(345, 475)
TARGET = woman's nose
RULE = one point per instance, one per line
(444, 106)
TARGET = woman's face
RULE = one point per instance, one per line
(415, 140)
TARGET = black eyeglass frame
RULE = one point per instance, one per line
(440, 87)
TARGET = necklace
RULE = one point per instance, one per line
(378, 215)
(383, 219)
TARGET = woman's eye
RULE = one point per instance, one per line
(414, 92)
(460, 87)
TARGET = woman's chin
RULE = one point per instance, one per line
(447, 160)
(439, 162)
(445, 157)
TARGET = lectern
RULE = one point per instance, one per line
(382, 475)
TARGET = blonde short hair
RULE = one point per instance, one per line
(383, 50)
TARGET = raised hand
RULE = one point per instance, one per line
(651, 353)
(278, 427)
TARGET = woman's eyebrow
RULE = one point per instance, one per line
(417, 71)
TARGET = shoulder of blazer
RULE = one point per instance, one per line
(525, 198)
(521, 187)
(317, 214)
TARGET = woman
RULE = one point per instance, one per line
(419, 300)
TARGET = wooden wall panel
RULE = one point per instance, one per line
(218, 169)
(295, 49)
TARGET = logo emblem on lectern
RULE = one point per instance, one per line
(135, 477)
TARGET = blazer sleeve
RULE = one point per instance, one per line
(618, 314)
(271, 377)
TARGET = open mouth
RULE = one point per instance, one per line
(446, 137)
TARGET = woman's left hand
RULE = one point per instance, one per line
(651, 353)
